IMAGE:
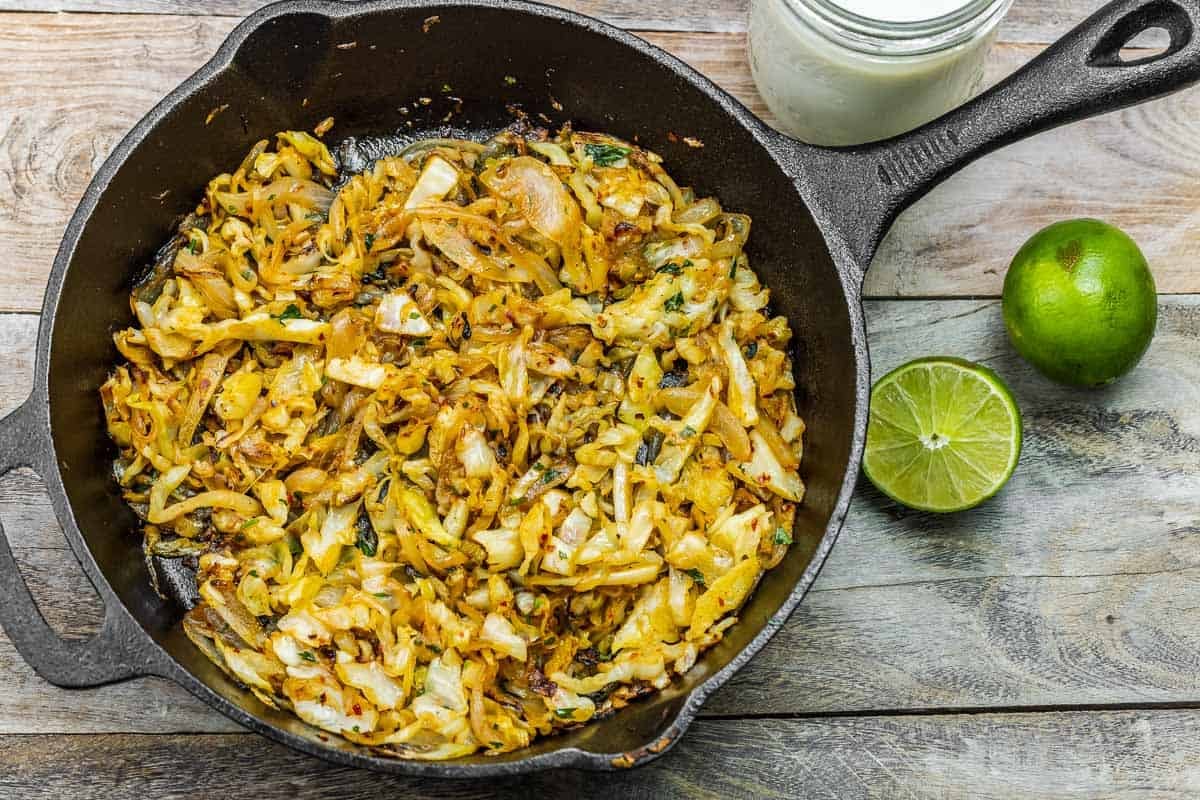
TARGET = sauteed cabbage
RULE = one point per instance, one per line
(474, 446)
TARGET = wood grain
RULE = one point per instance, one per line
(1031, 21)
(66, 97)
(704, 15)
(1057, 756)
(1078, 584)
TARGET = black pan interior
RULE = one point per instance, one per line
(371, 72)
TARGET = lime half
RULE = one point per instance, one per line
(944, 435)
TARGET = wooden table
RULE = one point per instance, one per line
(1044, 645)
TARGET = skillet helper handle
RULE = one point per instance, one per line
(71, 663)
(1081, 75)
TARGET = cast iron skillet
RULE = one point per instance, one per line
(818, 216)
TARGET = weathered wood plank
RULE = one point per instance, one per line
(1134, 168)
(66, 98)
(1032, 21)
(703, 15)
(1079, 584)
(1054, 756)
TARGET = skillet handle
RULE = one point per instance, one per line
(107, 657)
(858, 191)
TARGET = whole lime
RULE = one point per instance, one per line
(1080, 302)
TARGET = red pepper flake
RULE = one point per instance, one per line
(356, 709)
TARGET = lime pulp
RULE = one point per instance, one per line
(944, 434)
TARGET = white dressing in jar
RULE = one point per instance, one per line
(842, 72)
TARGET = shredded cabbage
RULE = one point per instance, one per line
(487, 441)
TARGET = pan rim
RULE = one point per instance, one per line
(167, 666)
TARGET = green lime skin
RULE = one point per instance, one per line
(1080, 303)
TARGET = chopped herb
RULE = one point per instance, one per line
(420, 342)
(516, 501)
(550, 475)
(294, 546)
(688, 431)
(491, 308)
(377, 275)
(674, 303)
(434, 648)
(447, 88)
(733, 269)
(247, 274)
(673, 379)
(414, 315)
(307, 656)
(564, 713)
(367, 539)
(253, 573)
(697, 576)
(232, 209)
(355, 729)
(782, 536)
(510, 80)
(687, 262)
(563, 554)
(193, 246)
(270, 198)
(650, 447)
(250, 523)
(670, 269)
(291, 312)
(383, 595)
(538, 603)
(752, 350)
(605, 155)
(369, 240)
(466, 333)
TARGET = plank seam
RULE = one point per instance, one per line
(956, 711)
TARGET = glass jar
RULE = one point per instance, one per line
(834, 74)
